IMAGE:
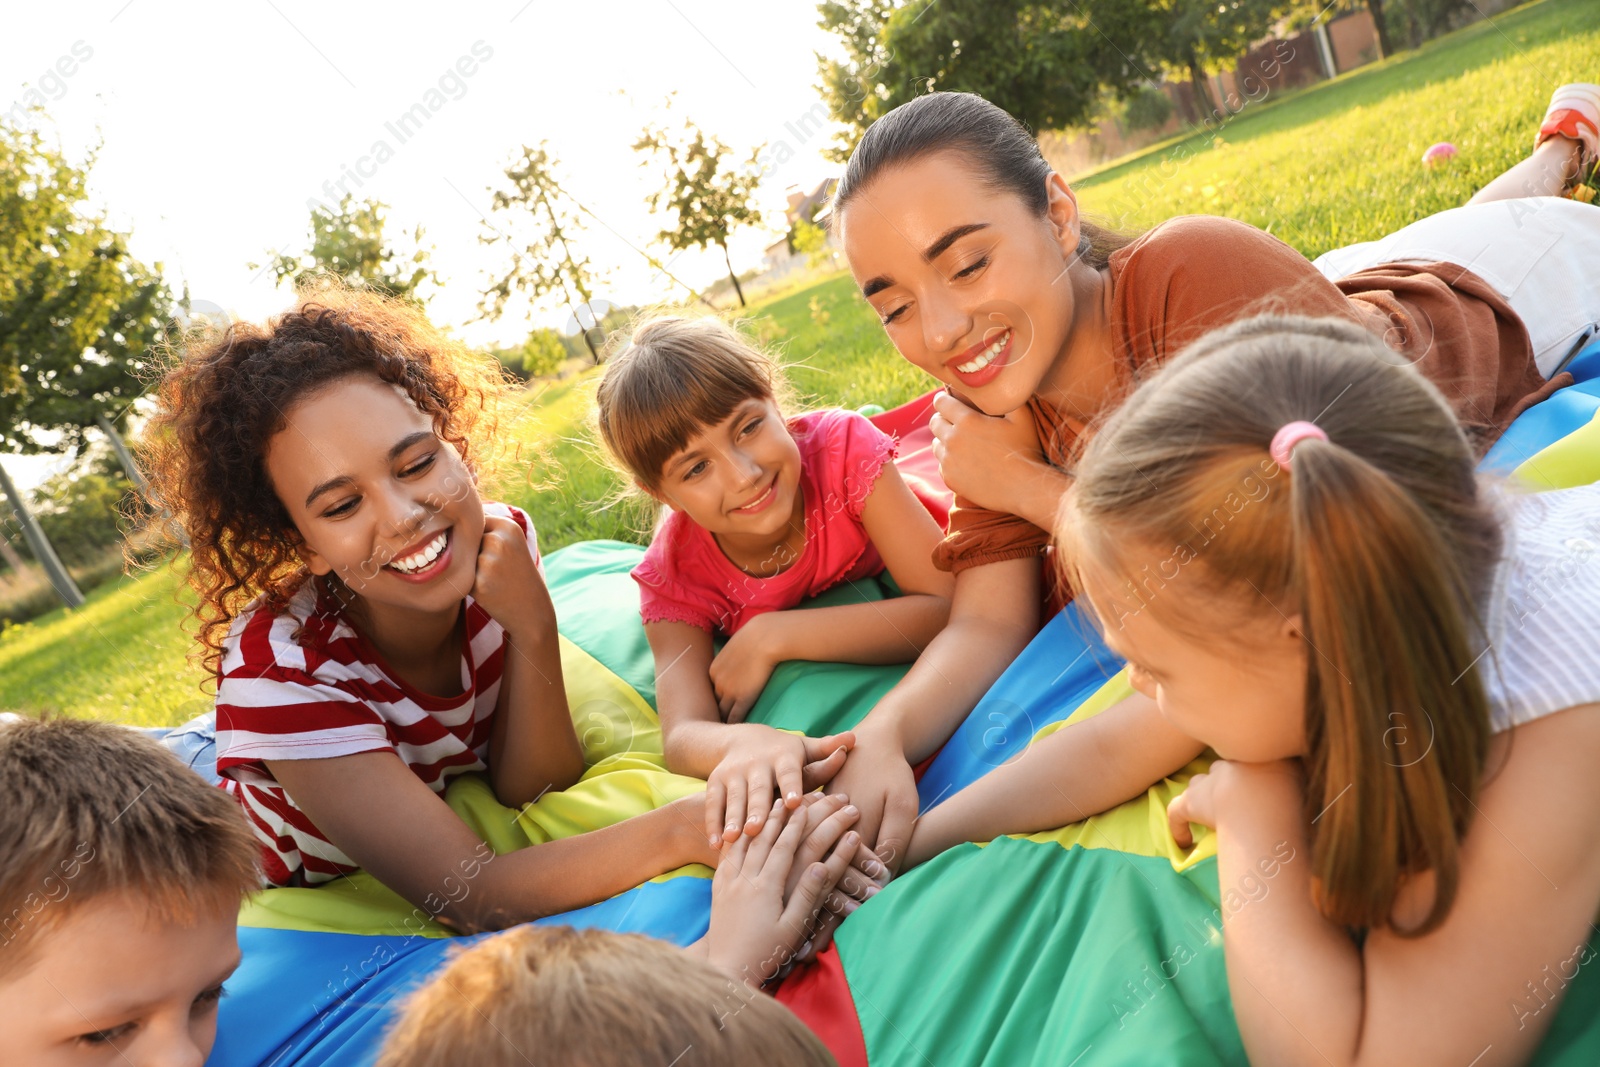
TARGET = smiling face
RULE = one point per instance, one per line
(1228, 674)
(377, 497)
(738, 478)
(112, 985)
(971, 284)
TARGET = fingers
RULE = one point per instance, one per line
(736, 809)
(894, 833)
(817, 886)
(817, 748)
(1178, 822)
(761, 855)
(758, 798)
(733, 858)
(738, 709)
(818, 774)
(867, 862)
(827, 820)
(791, 783)
(716, 810)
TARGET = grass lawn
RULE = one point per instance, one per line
(1340, 162)
(1320, 168)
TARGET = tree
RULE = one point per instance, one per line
(348, 243)
(1197, 36)
(79, 316)
(705, 197)
(1047, 63)
(543, 353)
(546, 222)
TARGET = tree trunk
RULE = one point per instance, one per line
(737, 290)
(9, 553)
(583, 332)
(65, 587)
(120, 447)
(1385, 49)
(1202, 92)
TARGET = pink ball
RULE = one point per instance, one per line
(1439, 153)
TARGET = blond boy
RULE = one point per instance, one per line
(121, 874)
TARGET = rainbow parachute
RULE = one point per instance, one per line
(1093, 944)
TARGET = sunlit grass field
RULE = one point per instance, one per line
(1320, 168)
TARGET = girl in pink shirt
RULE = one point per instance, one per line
(765, 511)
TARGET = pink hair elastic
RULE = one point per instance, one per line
(1291, 434)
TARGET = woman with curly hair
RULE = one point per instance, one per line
(375, 627)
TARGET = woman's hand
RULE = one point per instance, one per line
(878, 780)
(993, 461)
(739, 791)
(507, 583)
(758, 922)
(740, 671)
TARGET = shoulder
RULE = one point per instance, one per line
(1193, 274)
(1200, 233)
(294, 637)
(675, 557)
(835, 432)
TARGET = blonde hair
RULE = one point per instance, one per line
(592, 998)
(674, 377)
(1379, 537)
(88, 809)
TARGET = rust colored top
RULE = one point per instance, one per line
(1195, 273)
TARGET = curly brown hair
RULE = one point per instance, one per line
(223, 396)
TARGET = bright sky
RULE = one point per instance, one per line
(219, 122)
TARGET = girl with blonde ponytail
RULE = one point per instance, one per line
(1283, 533)
(1394, 662)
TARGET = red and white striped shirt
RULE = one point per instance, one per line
(303, 684)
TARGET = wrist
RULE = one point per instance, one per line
(1255, 794)
(881, 732)
(1040, 489)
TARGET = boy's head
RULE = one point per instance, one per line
(674, 378)
(121, 873)
(591, 998)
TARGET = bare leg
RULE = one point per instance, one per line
(1547, 172)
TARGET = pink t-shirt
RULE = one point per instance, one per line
(684, 576)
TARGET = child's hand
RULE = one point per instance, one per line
(1193, 805)
(861, 881)
(757, 922)
(740, 671)
(739, 792)
(508, 584)
(1234, 785)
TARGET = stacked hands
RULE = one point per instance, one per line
(781, 889)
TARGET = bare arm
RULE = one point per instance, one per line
(532, 745)
(1479, 989)
(1078, 771)
(994, 614)
(744, 764)
(379, 813)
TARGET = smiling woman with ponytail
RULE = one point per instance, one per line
(1283, 533)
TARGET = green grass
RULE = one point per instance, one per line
(1340, 162)
(1321, 167)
